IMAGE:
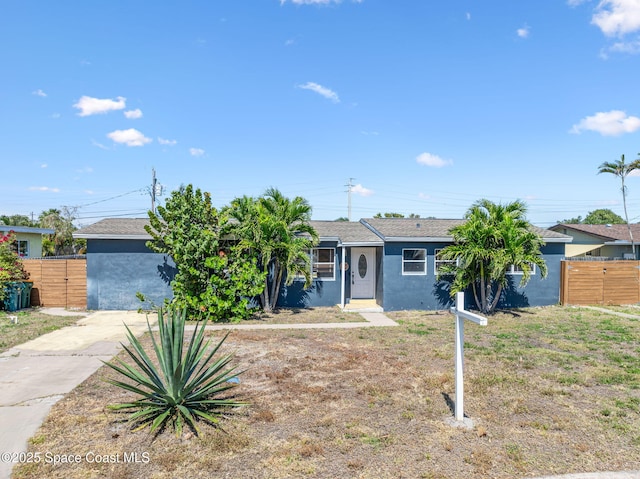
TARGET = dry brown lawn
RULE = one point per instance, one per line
(551, 390)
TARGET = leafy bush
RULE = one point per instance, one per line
(11, 268)
(214, 277)
(186, 387)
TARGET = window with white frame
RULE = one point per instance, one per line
(22, 248)
(323, 263)
(414, 261)
(513, 269)
(442, 265)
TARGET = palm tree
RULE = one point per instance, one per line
(622, 170)
(492, 239)
(276, 231)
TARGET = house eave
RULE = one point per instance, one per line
(418, 239)
(112, 236)
(348, 244)
(557, 240)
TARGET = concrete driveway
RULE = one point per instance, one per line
(36, 374)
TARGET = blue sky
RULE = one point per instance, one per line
(428, 106)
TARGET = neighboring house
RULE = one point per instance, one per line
(390, 261)
(29, 240)
(600, 241)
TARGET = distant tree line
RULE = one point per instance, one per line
(61, 242)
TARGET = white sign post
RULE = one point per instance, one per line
(461, 315)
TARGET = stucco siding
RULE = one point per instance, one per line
(424, 292)
(118, 269)
(322, 292)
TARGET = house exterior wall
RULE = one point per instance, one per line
(424, 292)
(118, 269)
(402, 292)
(35, 243)
(322, 292)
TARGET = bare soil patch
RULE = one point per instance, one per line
(551, 390)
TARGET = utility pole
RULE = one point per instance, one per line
(156, 189)
(153, 190)
(349, 186)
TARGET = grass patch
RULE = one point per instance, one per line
(31, 324)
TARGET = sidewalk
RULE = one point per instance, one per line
(37, 374)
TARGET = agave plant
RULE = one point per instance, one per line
(186, 386)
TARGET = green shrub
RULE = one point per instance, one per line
(187, 386)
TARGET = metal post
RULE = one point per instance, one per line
(461, 315)
(343, 273)
(459, 405)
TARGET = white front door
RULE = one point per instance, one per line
(363, 273)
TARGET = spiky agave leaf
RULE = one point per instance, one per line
(184, 387)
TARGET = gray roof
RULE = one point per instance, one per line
(115, 228)
(370, 231)
(27, 229)
(348, 233)
(617, 232)
(421, 229)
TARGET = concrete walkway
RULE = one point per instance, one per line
(37, 374)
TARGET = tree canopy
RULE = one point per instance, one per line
(601, 216)
(213, 277)
(621, 169)
(494, 239)
(275, 231)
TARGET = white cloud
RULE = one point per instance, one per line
(632, 47)
(524, 31)
(468, 15)
(617, 17)
(133, 114)
(321, 90)
(93, 106)
(39, 92)
(361, 190)
(196, 151)
(130, 137)
(43, 165)
(575, 3)
(432, 160)
(424, 196)
(610, 123)
(86, 169)
(44, 188)
(99, 145)
(55, 116)
(89, 192)
(164, 141)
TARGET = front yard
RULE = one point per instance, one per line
(551, 390)
(28, 324)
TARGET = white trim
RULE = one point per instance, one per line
(436, 261)
(413, 261)
(511, 270)
(333, 264)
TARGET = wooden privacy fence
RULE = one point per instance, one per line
(58, 283)
(600, 282)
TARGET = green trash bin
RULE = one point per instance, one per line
(12, 297)
(26, 294)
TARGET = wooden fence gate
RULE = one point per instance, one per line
(600, 282)
(58, 283)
